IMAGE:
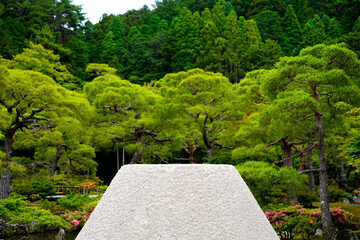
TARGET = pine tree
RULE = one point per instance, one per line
(117, 29)
(218, 16)
(234, 42)
(269, 24)
(313, 33)
(334, 29)
(228, 8)
(292, 31)
(326, 21)
(183, 48)
(108, 47)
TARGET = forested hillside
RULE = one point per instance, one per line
(232, 37)
(270, 86)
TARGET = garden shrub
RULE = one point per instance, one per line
(46, 204)
(78, 218)
(336, 194)
(36, 185)
(75, 200)
(296, 220)
(269, 184)
(88, 186)
(15, 211)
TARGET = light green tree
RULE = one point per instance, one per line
(125, 114)
(326, 78)
(29, 100)
(39, 59)
(209, 105)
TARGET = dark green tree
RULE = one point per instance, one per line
(291, 30)
(269, 24)
(313, 32)
(228, 8)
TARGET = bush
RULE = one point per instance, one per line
(79, 217)
(296, 220)
(15, 211)
(306, 198)
(270, 184)
(336, 194)
(88, 186)
(37, 185)
(48, 205)
(74, 200)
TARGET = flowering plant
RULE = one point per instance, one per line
(296, 220)
(88, 186)
(79, 217)
(34, 197)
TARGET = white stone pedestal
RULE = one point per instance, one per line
(199, 202)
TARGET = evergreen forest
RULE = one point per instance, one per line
(271, 87)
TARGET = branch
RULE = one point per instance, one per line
(157, 155)
(36, 163)
(217, 116)
(11, 107)
(154, 136)
(118, 139)
(328, 100)
(115, 109)
(310, 170)
(295, 143)
(181, 159)
(273, 143)
(228, 148)
(302, 119)
(287, 83)
(301, 151)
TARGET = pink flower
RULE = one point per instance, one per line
(340, 220)
(311, 221)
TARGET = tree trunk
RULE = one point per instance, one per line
(341, 179)
(136, 159)
(5, 181)
(291, 193)
(54, 162)
(286, 147)
(191, 154)
(327, 226)
(209, 153)
(310, 174)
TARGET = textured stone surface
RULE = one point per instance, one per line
(177, 202)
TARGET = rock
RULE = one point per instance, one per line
(178, 201)
(347, 234)
(60, 235)
(2, 226)
(318, 232)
